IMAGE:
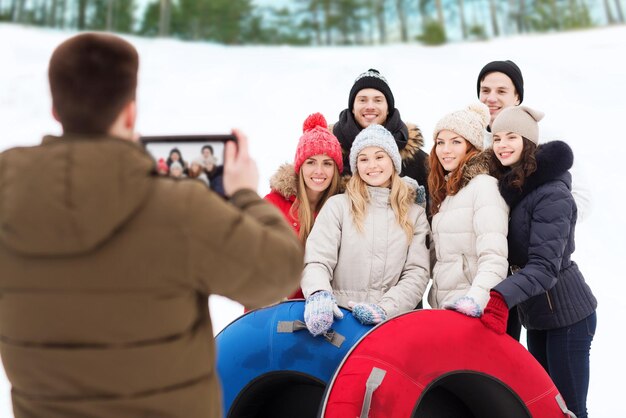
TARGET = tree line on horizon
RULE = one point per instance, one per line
(317, 22)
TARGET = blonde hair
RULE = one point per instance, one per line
(400, 198)
(301, 208)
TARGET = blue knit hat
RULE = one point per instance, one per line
(375, 136)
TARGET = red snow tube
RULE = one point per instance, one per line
(436, 363)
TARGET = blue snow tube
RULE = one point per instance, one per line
(271, 366)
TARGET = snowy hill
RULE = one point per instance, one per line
(577, 78)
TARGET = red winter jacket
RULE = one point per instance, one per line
(283, 195)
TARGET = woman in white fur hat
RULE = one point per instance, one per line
(469, 216)
(368, 247)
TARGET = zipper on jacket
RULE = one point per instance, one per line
(549, 301)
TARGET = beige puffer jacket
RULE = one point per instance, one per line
(470, 237)
(377, 265)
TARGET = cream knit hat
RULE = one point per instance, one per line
(521, 120)
(470, 123)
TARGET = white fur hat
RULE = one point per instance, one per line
(375, 136)
(470, 123)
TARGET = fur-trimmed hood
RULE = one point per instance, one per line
(554, 159)
(479, 164)
(285, 181)
(414, 144)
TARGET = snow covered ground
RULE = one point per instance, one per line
(577, 78)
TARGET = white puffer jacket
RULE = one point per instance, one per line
(470, 237)
(377, 265)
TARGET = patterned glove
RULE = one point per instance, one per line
(496, 313)
(465, 305)
(368, 313)
(319, 309)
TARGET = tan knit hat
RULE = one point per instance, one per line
(521, 120)
(470, 123)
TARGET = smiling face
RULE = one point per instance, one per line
(450, 148)
(497, 92)
(508, 147)
(370, 106)
(375, 167)
(317, 172)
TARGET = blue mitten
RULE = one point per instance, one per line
(465, 305)
(368, 313)
(319, 310)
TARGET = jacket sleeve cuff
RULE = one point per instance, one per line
(244, 197)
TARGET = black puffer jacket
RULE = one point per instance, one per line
(548, 289)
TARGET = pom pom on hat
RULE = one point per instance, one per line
(314, 120)
(375, 136)
(317, 140)
(470, 123)
(521, 120)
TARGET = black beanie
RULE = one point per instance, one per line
(507, 67)
(371, 79)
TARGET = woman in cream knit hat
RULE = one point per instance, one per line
(469, 217)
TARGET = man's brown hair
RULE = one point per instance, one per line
(92, 77)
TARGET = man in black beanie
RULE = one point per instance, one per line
(500, 85)
(371, 101)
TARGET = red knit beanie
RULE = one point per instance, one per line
(317, 140)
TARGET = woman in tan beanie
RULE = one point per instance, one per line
(470, 218)
(554, 303)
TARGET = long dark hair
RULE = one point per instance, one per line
(515, 175)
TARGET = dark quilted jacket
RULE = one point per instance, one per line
(548, 289)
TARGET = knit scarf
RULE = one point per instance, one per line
(346, 129)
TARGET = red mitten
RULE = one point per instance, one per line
(496, 313)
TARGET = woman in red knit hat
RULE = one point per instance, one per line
(300, 189)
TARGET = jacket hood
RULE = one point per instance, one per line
(70, 195)
(475, 166)
(554, 159)
(414, 144)
(284, 181)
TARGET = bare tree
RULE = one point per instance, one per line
(620, 13)
(164, 18)
(17, 10)
(494, 17)
(380, 14)
(110, 13)
(461, 4)
(440, 17)
(82, 14)
(609, 14)
(401, 11)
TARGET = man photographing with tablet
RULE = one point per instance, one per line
(107, 267)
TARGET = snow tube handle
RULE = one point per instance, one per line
(331, 336)
(373, 382)
(561, 402)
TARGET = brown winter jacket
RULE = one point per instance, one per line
(106, 271)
